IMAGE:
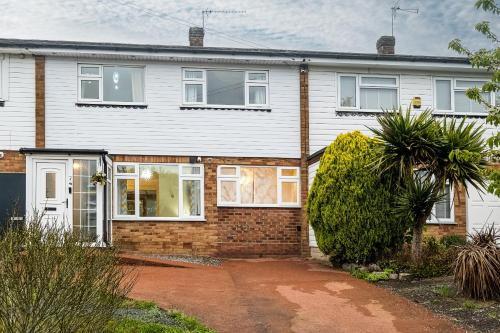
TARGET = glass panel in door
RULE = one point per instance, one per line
(84, 199)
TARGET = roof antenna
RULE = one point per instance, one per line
(395, 8)
(205, 13)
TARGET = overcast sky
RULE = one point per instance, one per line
(331, 25)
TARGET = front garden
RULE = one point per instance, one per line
(371, 200)
(53, 280)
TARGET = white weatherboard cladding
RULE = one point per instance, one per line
(325, 124)
(313, 168)
(17, 116)
(163, 128)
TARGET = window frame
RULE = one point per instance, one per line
(360, 85)
(4, 77)
(100, 77)
(247, 84)
(135, 176)
(433, 219)
(453, 89)
(237, 178)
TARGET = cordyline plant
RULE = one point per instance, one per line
(52, 281)
(477, 267)
(488, 60)
(424, 154)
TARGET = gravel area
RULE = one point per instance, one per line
(440, 296)
(200, 260)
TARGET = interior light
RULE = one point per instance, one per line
(146, 174)
(76, 166)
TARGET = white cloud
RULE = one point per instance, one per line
(345, 26)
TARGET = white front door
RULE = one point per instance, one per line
(51, 196)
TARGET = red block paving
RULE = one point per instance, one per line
(269, 295)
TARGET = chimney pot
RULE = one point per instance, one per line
(385, 45)
(196, 35)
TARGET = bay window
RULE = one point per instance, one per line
(449, 95)
(225, 88)
(111, 84)
(158, 191)
(368, 92)
(258, 186)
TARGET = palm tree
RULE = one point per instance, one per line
(424, 154)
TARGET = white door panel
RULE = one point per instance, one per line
(483, 209)
(51, 199)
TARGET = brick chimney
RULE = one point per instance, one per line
(385, 45)
(196, 35)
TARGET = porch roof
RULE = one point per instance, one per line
(63, 151)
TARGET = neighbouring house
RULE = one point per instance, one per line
(206, 151)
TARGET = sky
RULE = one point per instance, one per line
(324, 25)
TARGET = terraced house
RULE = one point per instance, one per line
(206, 151)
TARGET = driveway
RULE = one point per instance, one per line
(286, 295)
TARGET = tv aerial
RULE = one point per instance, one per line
(206, 12)
(395, 9)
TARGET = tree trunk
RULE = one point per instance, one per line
(416, 244)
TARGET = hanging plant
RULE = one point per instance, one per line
(98, 178)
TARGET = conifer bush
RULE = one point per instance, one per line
(350, 205)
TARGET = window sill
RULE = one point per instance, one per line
(159, 220)
(257, 206)
(441, 222)
(203, 107)
(358, 111)
(461, 114)
(111, 105)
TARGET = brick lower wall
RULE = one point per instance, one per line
(12, 162)
(227, 231)
(460, 225)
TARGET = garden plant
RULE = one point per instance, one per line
(423, 154)
(51, 280)
(350, 206)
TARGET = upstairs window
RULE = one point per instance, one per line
(258, 186)
(368, 92)
(225, 88)
(110, 84)
(450, 95)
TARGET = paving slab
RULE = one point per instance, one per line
(282, 295)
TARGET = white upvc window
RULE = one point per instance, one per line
(258, 186)
(368, 92)
(225, 87)
(449, 95)
(116, 84)
(443, 212)
(4, 77)
(158, 191)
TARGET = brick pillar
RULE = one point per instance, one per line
(304, 154)
(40, 102)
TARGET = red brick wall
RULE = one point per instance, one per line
(12, 162)
(227, 231)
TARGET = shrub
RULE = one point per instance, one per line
(477, 267)
(51, 282)
(453, 240)
(349, 205)
(437, 260)
(372, 277)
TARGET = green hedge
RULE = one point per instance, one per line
(349, 206)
